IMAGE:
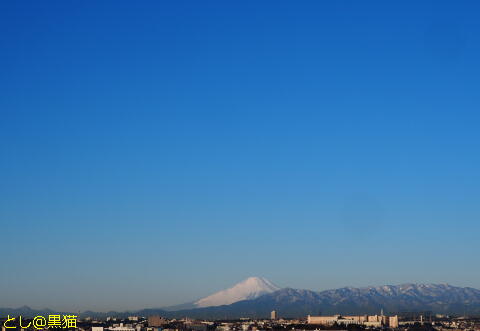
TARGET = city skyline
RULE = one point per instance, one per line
(162, 151)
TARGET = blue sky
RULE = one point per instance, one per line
(155, 152)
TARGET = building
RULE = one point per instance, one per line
(393, 321)
(323, 320)
(360, 319)
(156, 321)
(371, 321)
(122, 327)
(273, 315)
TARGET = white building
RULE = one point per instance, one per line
(122, 327)
(370, 321)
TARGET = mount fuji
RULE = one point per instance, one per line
(248, 289)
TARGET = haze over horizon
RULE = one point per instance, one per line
(163, 151)
(247, 289)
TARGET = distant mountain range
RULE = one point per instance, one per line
(288, 302)
(257, 297)
(24, 311)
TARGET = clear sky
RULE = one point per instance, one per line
(154, 152)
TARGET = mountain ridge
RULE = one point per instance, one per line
(289, 302)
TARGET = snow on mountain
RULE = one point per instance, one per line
(437, 298)
(257, 297)
(250, 288)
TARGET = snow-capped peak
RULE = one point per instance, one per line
(250, 288)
